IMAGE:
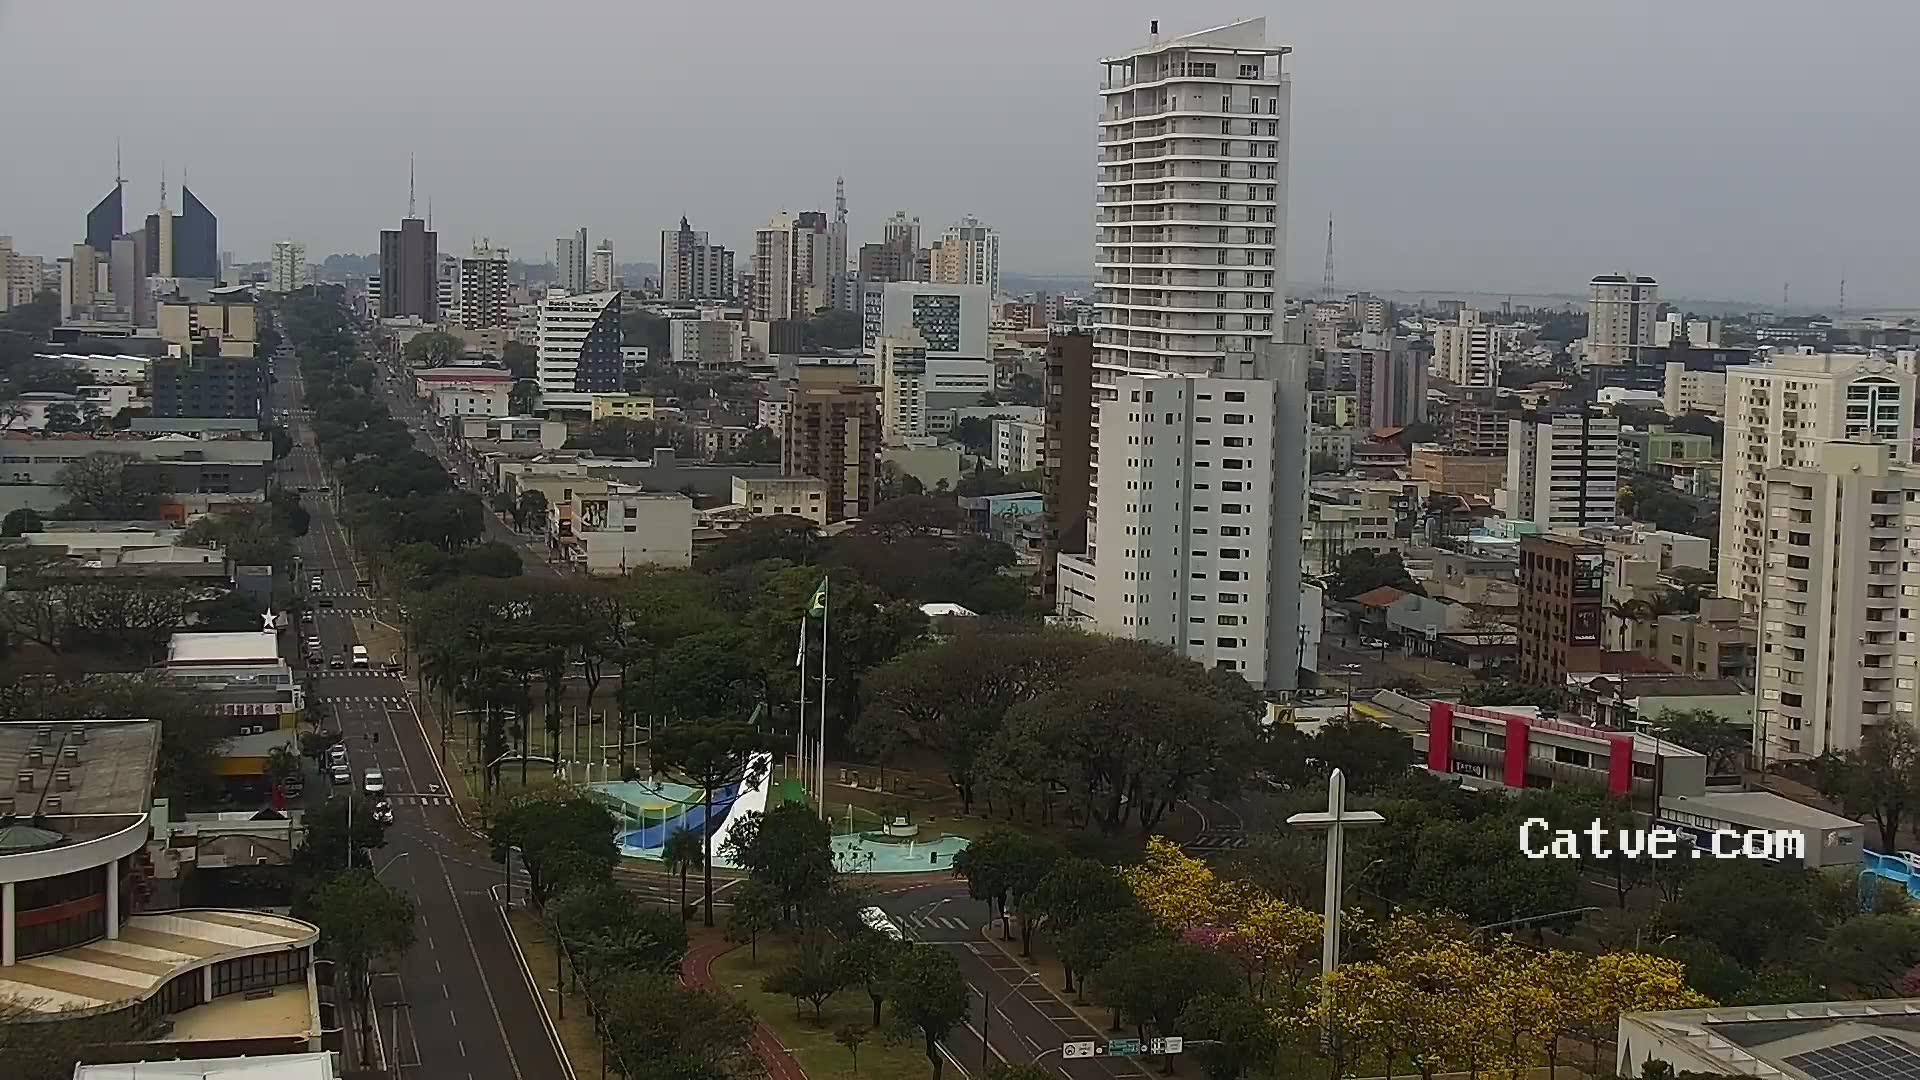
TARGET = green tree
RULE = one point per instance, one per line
(788, 849)
(1151, 984)
(708, 753)
(1364, 569)
(549, 829)
(1751, 911)
(109, 486)
(754, 912)
(683, 851)
(1076, 891)
(813, 974)
(1871, 953)
(1706, 732)
(1231, 1035)
(1881, 779)
(655, 1028)
(1370, 755)
(530, 510)
(361, 921)
(431, 349)
(19, 521)
(867, 958)
(1087, 944)
(851, 1036)
(929, 998)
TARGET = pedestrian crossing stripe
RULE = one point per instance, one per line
(937, 922)
(420, 800)
(389, 702)
(1215, 841)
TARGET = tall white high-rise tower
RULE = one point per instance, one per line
(1198, 476)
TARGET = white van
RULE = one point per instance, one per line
(359, 656)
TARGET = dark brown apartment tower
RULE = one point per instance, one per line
(1561, 582)
(1064, 469)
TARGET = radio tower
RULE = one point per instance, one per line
(1843, 296)
(1326, 275)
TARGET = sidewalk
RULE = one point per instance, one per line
(697, 971)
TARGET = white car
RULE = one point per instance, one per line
(1374, 643)
(374, 782)
(878, 921)
(340, 774)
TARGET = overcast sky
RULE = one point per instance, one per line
(1724, 146)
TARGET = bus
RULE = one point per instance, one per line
(360, 656)
(877, 921)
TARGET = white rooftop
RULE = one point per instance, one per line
(1245, 34)
(935, 611)
(227, 648)
(318, 1066)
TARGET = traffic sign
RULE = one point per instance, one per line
(1123, 1047)
(1077, 1049)
(1174, 1044)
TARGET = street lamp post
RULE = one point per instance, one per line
(1349, 672)
(986, 1018)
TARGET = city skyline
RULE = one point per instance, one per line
(1464, 151)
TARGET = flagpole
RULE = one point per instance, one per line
(826, 601)
(800, 736)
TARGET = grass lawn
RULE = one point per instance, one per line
(813, 1045)
(576, 1030)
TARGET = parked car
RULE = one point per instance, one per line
(1374, 643)
(340, 774)
(337, 754)
(317, 582)
(306, 615)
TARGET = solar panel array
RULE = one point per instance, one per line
(1875, 1057)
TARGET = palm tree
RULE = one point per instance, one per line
(684, 850)
(1628, 613)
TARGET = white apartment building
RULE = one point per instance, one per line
(1693, 391)
(772, 270)
(1621, 312)
(792, 496)
(1563, 472)
(622, 528)
(1192, 167)
(693, 269)
(600, 268)
(969, 254)
(953, 319)
(1190, 233)
(1700, 333)
(486, 292)
(1191, 544)
(472, 401)
(570, 262)
(705, 343)
(1777, 413)
(919, 391)
(1018, 445)
(579, 350)
(287, 269)
(1468, 352)
(771, 412)
(1839, 601)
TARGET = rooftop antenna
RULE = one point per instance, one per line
(1326, 275)
(840, 197)
(410, 185)
(1843, 294)
(1786, 290)
(119, 180)
(163, 185)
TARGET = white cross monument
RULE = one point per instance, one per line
(1335, 821)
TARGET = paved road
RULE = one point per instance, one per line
(458, 1007)
(1028, 1023)
(392, 386)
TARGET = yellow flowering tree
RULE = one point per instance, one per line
(1558, 1008)
(1179, 891)
(1270, 935)
(1617, 982)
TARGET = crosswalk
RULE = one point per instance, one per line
(355, 673)
(366, 699)
(935, 922)
(420, 800)
(1217, 841)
